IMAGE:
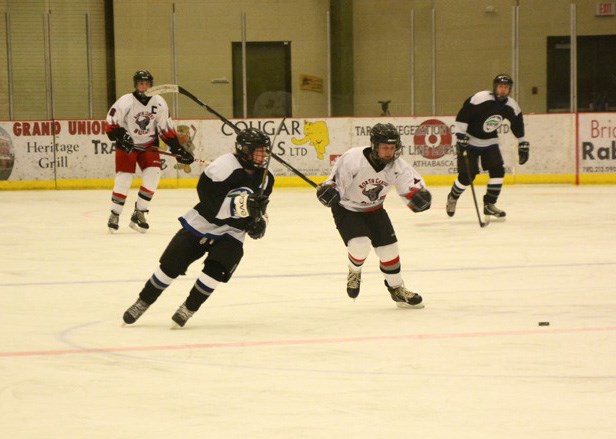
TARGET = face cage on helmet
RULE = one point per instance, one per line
(244, 155)
(379, 160)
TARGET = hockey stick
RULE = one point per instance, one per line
(174, 88)
(468, 171)
(269, 158)
(155, 149)
(295, 171)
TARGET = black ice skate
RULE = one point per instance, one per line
(491, 211)
(138, 222)
(451, 205)
(405, 298)
(182, 315)
(353, 282)
(113, 223)
(135, 311)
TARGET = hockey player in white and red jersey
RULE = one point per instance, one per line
(477, 123)
(135, 122)
(356, 190)
(233, 197)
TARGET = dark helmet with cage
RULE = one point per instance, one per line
(388, 134)
(246, 142)
(504, 80)
(142, 75)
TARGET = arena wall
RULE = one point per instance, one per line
(76, 154)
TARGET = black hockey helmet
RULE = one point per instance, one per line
(246, 142)
(384, 133)
(142, 75)
(498, 80)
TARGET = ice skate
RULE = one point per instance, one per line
(135, 311)
(451, 205)
(492, 212)
(138, 222)
(353, 282)
(182, 315)
(405, 298)
(113, 223)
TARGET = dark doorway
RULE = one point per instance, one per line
(268, 73)
(596, 73)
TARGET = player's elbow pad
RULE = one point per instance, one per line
(420, 200)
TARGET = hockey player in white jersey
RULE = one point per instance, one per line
(356, 190)
(233, 197)
(476, 124)
(135, 122)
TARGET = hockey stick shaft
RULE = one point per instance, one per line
(468, 172)
(295, 171)
(174, 88)
(269, 158)
(155, 149)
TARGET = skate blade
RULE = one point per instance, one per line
(137, 228)
(404, 305)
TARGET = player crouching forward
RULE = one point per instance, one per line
(356, 190)
(229, 207)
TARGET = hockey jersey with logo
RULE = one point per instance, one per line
(143, 122)
(219, 183)
(363, 188)
(482, 115)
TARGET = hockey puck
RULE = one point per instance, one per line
(544, 323)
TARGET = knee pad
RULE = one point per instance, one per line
(359, 247)
(216, 271)
(223, 258)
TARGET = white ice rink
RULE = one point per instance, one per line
(282, 352)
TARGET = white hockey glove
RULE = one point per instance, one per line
(252, 205)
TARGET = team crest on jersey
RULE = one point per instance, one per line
(373, 192)
(142, 120)
(492, 123)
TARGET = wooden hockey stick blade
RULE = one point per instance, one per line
(163, 88)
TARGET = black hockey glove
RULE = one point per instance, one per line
(184, 156)
(419, 200)
(256, 228)
(125, 142)
(328, 195)
(462, 143)
(523, 152)
(256, 205)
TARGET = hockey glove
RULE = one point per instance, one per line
(462, 143)
(125, 142)
(523, 152)
(419, 200)
(184, 156)
(328, 195)
(252, 205)
(256, 228)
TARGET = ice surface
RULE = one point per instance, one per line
(282, 352)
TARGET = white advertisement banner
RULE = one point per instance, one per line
(79, 149)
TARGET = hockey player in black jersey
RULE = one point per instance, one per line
(232, 203)
(477, 138)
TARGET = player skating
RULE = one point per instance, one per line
(356, 190)
(476, 124)
(233, 196)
